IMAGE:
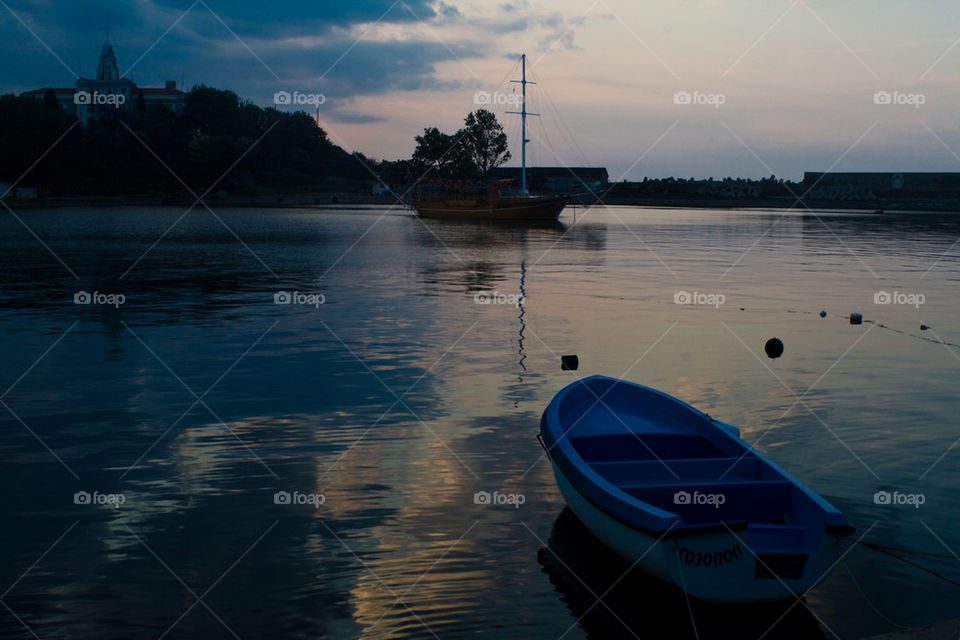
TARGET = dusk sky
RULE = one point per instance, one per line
(785, 86)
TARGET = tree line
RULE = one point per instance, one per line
(199, 144)
(149, 150)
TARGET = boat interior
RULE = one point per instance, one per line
(693, 469)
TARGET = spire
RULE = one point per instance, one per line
(108, 69)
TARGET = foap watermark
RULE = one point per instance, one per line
(297, 98)
(499, 499)
(898, 297)
(699, 298)
(700, 499)
(697, 98)
(112, 299)
(297, 498)
(98, 98)
(495, 297)
(485, 97)
(96, 498)
(896, 498)
(296, 297)
(896, 98)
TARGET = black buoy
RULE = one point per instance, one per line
(774, 348)
(856, 318)
(823, 313)
(924, 327)
(569, 363)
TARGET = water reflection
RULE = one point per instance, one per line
(634, 604)
(313, 400)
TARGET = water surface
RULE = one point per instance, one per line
(402, 395)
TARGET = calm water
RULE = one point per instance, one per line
(198, 399)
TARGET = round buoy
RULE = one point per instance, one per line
(856, 318)
(774, 348)
(569, 363)
(823, 313)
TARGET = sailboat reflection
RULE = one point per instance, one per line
(522, 312)
(609, 599)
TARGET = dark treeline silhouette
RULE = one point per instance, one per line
(472, 152)
(114, 155)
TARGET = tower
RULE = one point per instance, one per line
(108, 69)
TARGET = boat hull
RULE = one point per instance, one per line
(717, 567)
(523, 209)
(683, 497)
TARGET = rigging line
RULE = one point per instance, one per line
(504, 81)
(551, 105)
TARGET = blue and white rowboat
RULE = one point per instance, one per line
(681, 495)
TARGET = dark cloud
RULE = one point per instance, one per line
(239, 56)
(294, 18)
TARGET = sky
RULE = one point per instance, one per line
(684, 88)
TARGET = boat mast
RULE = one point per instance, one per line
(523, 113)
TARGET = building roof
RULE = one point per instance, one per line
(56, 91)
(161, 91)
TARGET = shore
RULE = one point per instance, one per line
(325, 199)
(944, 631)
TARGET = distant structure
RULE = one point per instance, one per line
(871, 186)
(94, 99)
(558, 179)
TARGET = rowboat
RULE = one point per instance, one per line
(682, 496)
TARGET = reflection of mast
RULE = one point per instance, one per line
(523, 322)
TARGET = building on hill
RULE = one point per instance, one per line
(96, 98)
(558, 179)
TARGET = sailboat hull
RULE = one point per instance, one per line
(518, 209)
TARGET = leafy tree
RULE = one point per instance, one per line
(437, 152)
(472, 152)
(485, 141)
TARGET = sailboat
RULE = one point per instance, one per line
(497, 200)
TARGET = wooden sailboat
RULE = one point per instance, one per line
(498, 200)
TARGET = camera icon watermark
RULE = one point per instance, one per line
(495, 297)
(83, 97)
(296, 297)
(297, 98)
(297, 498)
(96, 498)
(698, 298)
(895, 498)
(497, 498)
(696, 98)
(700, 499)
(497, 97)
(896, 98)
(910, 299)
(111, 299)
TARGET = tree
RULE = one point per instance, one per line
(472, 152)
(485, 140)
(442, 154)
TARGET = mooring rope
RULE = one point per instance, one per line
(867, 600)
(890, 552)
(683, 583)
